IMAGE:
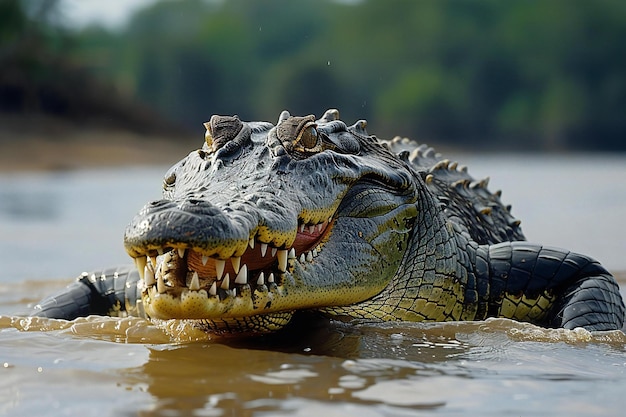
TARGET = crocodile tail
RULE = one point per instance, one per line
(112, 292)
(593, 302)
(552, 287)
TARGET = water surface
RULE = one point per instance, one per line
(53, 226)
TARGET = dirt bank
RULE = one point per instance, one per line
(43, 144)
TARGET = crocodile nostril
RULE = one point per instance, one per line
(159, 203)
(197, 206)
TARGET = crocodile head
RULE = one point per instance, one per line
(266, 220)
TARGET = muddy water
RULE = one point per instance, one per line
(54, 226)
(101, 366)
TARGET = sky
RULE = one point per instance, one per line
(111, 14)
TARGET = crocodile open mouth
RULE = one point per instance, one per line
(182, 282)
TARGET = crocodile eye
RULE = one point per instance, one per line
(220, 130)
(168, 183)
(308, 137)
(299, 135)
(208, 135)
(169, 180)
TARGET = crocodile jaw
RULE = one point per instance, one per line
(245, 294)
(185, 283)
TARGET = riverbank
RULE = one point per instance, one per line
(105, 149)
(43, 144)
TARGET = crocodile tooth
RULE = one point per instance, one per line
(314, 252)
(309, 256)
(282, 260)
(320, 227)
(292, 254)
(274, 252)
(301, 227)
(148, 277)
(153, 260)
(161, 288)
(140, 263)
(251, 243)
(302, 258)
(225, 282)
(181, 252)
(219, 268)
(169, 278)
(194, 285)
(242, 276)
(236, 261)
(213, 289)
(261, 279)
(263, 249)
(205, 259)
(167, 257)
(312, 229)
(270, 278)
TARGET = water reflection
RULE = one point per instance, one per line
(218, 377)
(382, 370)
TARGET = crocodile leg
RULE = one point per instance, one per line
(550, 286)
(111, 292)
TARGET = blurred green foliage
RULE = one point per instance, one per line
(517, 74)
(42, 73)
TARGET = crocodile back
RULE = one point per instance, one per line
(470, 207)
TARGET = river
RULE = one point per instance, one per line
(55, 225)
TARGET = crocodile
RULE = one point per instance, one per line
(267, 221)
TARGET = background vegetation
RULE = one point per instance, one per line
(478, 74)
